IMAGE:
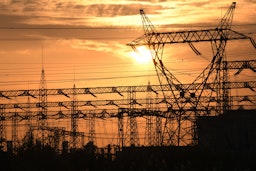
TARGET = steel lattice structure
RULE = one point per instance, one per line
(178, 133)
(76, 110)
(167, 112)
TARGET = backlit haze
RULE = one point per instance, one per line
(84, 42)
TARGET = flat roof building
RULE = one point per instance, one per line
(235, 130)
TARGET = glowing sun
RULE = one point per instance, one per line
(142, 56)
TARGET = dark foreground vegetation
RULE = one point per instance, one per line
(45, 158)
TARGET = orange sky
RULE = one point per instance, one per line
(85, 42)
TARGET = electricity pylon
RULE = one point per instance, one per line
(42, 116)
(74, 114)
(186, 103)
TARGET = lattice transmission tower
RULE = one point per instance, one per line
(185, 102)
(42, 116)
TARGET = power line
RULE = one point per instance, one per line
(65, 38)
(189, 25)
(71, 80)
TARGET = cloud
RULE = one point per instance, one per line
(250, 1)
(91, 45)
(82, 14)
(72, 9)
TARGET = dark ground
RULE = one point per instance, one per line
(132, 158)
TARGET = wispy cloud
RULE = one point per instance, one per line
(92, 45)
(112, 13)
(70, 12)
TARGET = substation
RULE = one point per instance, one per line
(206, 112)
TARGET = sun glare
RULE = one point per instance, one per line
(143, 55)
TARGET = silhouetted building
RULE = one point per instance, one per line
(235, 130)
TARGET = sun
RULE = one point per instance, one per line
(142, 56)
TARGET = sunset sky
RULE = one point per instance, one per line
(84, 42)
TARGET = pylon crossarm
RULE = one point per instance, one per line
(249, 64)
(124, 89)
(187, 37)
(120, 102)
(234, 35)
